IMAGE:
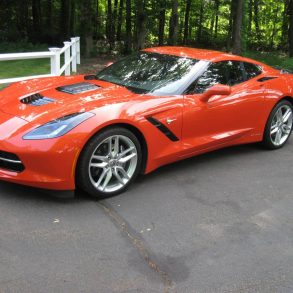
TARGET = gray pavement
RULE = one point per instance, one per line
(220, 222)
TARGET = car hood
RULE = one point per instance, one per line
(59, 96)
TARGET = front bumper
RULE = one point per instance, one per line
(48, 164)
(48, 170)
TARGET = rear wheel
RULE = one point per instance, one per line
(279, 126)
(109, 162)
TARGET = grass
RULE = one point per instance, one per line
(18, 68)
(278, 60)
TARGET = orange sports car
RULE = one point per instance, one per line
(157, 106)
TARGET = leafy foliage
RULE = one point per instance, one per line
(106, 26)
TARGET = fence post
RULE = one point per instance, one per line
(67, 58)
(73, 54)
(78, 49)
(55, 61)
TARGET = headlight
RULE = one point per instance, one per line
(58, 127)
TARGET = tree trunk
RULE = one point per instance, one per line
(162, 18)
(140, 25)
(231, 22)
(96, 22)
(186, 20)
(128, 40)
(275, 20)
(109, 25)
(250, 15)
(86, 24)
(120, 19)
(256, 19)
(237, 28)
(173, 26)
(285, 24)
(37, 19)
(72, 19)
(200, 21)
(291, 28)
(23, 18)
(217, 6)
(115, 13)
(65, 19)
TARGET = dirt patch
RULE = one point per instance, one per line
(94, 65)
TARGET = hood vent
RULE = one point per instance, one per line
(78, 88)
(37, 100)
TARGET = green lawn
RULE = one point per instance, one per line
(20, 68)
(274, 59)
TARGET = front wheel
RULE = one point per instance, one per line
(279, 126)
(109, 162)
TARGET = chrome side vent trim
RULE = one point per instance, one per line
(37, 100)
(10, 162)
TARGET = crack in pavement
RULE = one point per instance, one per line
(137, 243)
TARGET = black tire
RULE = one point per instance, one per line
(268, 141)
(84, 175)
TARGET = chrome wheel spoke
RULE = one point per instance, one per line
(123, 153)
(274, 129)
(118, 177)
(278, 137)
(287, 115)
(100, 158)
(116, 146)
(127, 158)
(99, 165)
(279, 115)
(107, 179)
(123, 172)
(286, 129)
(98, 183)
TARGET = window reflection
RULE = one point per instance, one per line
(147, 72)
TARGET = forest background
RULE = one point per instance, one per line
(256, 28)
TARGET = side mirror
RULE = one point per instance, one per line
(218, 89)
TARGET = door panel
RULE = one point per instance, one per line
(223, 119)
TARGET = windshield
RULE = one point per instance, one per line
(149, 72)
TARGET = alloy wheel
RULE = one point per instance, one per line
(281, 125)
(113, 163)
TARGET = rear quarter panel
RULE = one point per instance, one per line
(275, 90)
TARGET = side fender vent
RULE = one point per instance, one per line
(37, 100)
(163, 128)
(266, 78)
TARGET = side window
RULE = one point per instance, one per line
(252, 70)
(236, 72)
(215, 74)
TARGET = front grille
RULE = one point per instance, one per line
(10, 162)
(36, 100)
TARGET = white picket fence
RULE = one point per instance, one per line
(71, 51)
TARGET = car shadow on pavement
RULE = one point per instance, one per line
(16, 191)
(209, 159)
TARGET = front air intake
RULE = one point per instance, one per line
(10, 162)
(36, 100)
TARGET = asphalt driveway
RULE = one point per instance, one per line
(221, 222)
